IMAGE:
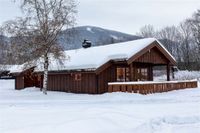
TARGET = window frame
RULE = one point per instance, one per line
(143, 72)
(125, 74)
(77, 76)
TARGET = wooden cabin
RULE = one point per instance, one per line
(89, 70)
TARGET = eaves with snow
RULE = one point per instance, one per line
(94, 57)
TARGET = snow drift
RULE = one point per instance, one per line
(29, 111)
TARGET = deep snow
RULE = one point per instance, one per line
(29, 111)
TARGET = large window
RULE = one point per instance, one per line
(123, 74)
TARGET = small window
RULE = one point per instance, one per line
(120, 74)
(77, 77)
(123, 74)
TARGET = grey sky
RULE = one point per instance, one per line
(122, 15)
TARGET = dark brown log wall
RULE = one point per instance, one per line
(67, 83)
(108, 75)
(153, 56)
(19, 82)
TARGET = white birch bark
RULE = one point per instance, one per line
(45, 80)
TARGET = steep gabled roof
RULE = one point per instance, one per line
(95, 57)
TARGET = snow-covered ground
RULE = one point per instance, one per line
(29, 111)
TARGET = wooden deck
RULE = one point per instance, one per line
(150, 87)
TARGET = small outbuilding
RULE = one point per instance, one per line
(89, 70)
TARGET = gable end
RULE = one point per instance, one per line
(149, 47)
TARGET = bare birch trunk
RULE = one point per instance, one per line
(45, 80)
(39, 29)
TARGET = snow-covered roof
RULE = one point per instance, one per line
(94, 57)
(8, 67)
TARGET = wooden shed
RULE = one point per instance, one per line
(89, 70)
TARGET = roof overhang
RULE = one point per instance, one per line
(128, 60)
(156, 44)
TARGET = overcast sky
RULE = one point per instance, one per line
(121, 15)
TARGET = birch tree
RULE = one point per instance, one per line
(36, 33)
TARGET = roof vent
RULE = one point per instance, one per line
(86, 43)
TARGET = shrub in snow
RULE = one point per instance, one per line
(180, 75)
(187, 75)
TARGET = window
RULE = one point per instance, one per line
(123, 74)
(127, 74)
(142, 74)
(120, 74)
(77, 77)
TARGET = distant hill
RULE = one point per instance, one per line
(73, 38)
(4, 38)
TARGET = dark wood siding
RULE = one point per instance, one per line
(19, 82)
(67, 83)
(108, 75)
(31, 80)
(153, 56)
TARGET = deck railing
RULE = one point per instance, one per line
(150, 87)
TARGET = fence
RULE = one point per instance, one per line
(150, 87)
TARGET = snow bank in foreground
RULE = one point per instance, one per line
(170, 125)
(29, 111)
